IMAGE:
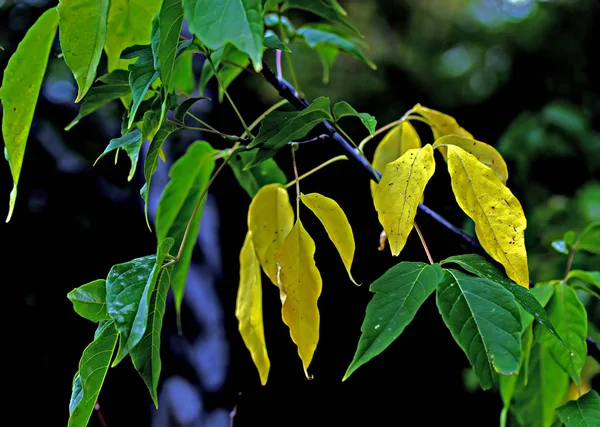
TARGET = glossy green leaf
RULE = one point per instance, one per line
(591, 277)
(184, 80)
(150, 124)
(141, 75)
(170, 20)
(484, 319)
(324, 8)
(566, 311)
(322, 34)
(342, 109)
(131, 143)
(89, 300)
(542, 293)
(146, 356)
(281, 127)
(219, 22)
(189, 177)
(252, 179)
(21, 85)
(583, 412)
(589, 239)
(82, 35)
(92, 371)
(271, 41)
(185, 106)
(398, 295)
(229, 63)
(129, 23)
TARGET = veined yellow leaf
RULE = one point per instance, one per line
(498, 215)
(336, 224)
(394, 144)
(301, 281)
(441, 124)
(485, 153)
(270, 219)
(400, 191)
(249, 308)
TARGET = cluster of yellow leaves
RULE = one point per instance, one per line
(478, 174)
(285, 251)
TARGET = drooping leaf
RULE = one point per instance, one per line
(271, 41)
(441, 124)
(189, 176)
(92, 371)
(399, 294)
(184, 80)
(21, 85)
(82, 36)
(170, 20)
(325, 9)
(327, 54)
(89, 300)
(129, 23)
(316, 35)
(484, 319)
(336, 224)
(568, 314)
(253, 179)
(301, 287)
(589, 239)
(219, 22)
(499, 219)
(591, 277)
(141, 75)
(342, 109)
(185, 106)
(270, 220)
(281, 127)
(146, 356)
(229, 63)
(485, 153)
(131, 143)
(150, 124)
(249, 308)
(399, 193)
(394, 144)
(583, 412)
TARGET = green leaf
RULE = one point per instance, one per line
(151, 162)
(479, 266)
(281, 127)
(316, 35)
(327, 55)
(21, 85)
(252, 179)
(129, 23)
(276, 21)
(131, 143)
(272, 42)
(566, 311)
(189, 177)
(589, 239)
(484, 319)
(184, 81)
(342, 109)
(542, 293)
(229, 63)
(560, 246)
(141, 75)
(89, 300)
(583, 412)
(591, 277)
(146, 356)
(398, 295)
(150, 124)
(218, 22)
(325, 9)
(92, 371)
(185, 106)
(99, 96)
(170, 20)
(82, 36)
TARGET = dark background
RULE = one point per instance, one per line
(520, 75)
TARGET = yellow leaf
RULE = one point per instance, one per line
(441, 124)
(249, 309)
(395, 143)
(485, 153)
(301, 281)
(400, 191)
(270, 219)
(336, 224)
(498, 215)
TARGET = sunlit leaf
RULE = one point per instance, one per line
(484, 319)
(399, 293)
(499, 218)
(343, 109)
(170, 20)
(325, 9)
(399, 193)
(249, 308)
(229, 63)
(151, 121)
(141, 75)
(336, 224)
(89, 300)
(441, 124)
(589, 239)
(270, 220)
(301, 286)
(131, 143)
(21, 85)
(184, 80)
(253, 179)
(591, 277)
(583, 412)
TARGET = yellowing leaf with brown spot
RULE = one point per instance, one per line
(248, 309)
(499, 219)
(485, 153)
(301, 281)
(395, 143)
(270, 219)
(399, 193)
(336, 224)
(441, 124)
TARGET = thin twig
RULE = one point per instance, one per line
(424, 244)
(570, 261)
(294, 148)
(263, 115)
(202, 122)
(321, 166)
(99, 414)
